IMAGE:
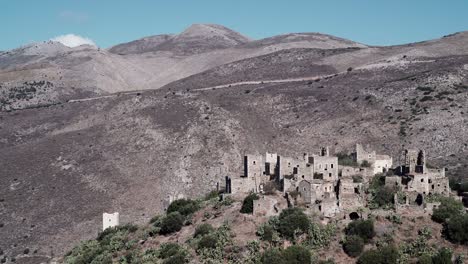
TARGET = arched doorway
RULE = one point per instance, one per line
(419, 199)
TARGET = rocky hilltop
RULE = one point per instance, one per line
(85, 130)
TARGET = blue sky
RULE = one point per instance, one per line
(109, 22)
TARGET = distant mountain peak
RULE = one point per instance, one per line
(143, 45)
(196, 38)
(205, 37)
(213, 30)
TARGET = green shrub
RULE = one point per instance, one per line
(396, 219)
(212, 248)
(353, 245)
(172, 253)
(383, 255)
(203, 229)
(184, 206)
(247, 204)
(109, 232)
(425, 233)
(365, 164)
(169, 249)
(115, 238)
(292, 220)
(150, 256)
(292, 255)
(319, 236)
(211, 195)
(456, 229)
(273, 255)
(297, 255)
(176, 259)
(268, 231)
(84, 253)
(377, 182)
(130, 257)
(208, 241)
(419, 246)
(384, 196)
(425, 259)
(361, 228)
(156, 220)
(444, 256)
(448, 208)
(345, 159)
(103, 258)
(173, 222)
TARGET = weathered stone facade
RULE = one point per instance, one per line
(379, 163)
(414, 176)
(310, 180)
(317, 183)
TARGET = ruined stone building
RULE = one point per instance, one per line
(415, 177)
(110, 220)
(309, 180)
(319, 184)
(379, 163)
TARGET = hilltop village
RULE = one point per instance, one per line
(337, 188)
(318, 208)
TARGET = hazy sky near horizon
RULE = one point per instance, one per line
(109, 22)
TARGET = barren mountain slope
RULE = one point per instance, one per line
(50, 73)
(147, 44)
(320, 41)
(313, 62)
(64, 165)
(148, 63)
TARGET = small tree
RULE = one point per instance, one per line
(353, 245)
(361, 228)
(169, 249)
(297, 255)
(173, 222)
(444, 256)
(384, 196)
(383, 255)
(346, 159)
(456, 229)
(272, 255)
(448, 208)
(183, 206)
(292, 220)
(425, 259)
(208, 241)
(172, 254)
(247, 204)
(203, 229)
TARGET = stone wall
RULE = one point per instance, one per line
(362, 155)
(325, 165)
(382, 164)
